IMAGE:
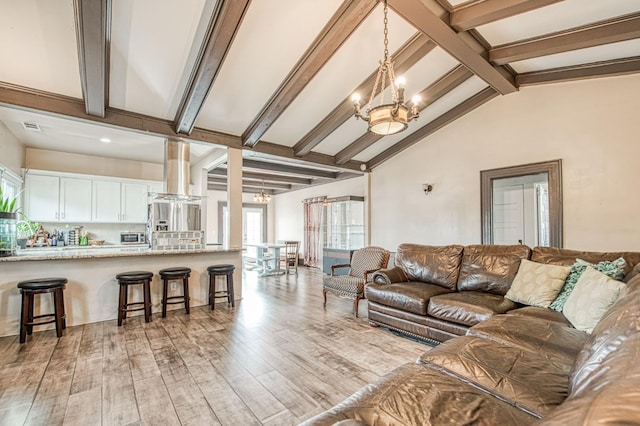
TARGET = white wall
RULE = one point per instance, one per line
(12, 152)
(592, 125)
(42, 159)
(289, 217)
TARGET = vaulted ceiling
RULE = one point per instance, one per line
(275, 77)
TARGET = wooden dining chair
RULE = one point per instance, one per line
(290, 256)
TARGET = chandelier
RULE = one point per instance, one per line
(262, 197)
(390, 118)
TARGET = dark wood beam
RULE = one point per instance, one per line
(245, 189)
(435, 91)
(72, 108)
(453, 114)
(264, 177)
(604, 32)
(222, 29)
(482, 12)
(285, 168)
(338, 29)
(93, 38)
(222, 180)
(420, 16)
(404, 58)
(579, 72)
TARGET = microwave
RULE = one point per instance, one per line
(132, 238)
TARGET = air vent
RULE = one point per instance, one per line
(32, 127)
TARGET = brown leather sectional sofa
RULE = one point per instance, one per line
(524, 366)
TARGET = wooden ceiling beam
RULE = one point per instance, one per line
(404, 58)
(482, 12)
(604, 32)
(342, 24)
(453, 114)
(93, 39)
(74, 109)
(579, 72)
(222, 180)
(245, 189)
(264, 177)
(285, 168)
(223, 26)
(431, 94)
(420, 16)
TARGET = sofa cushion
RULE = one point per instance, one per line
(593, 295)
(537, 284)
(430, 264)
(417, 395)
(468, 307)
(411, 296)
(617, 324)
(614, 269)
(548, 339)
(518, 376)
(560, 256)
(490, 268)
(610, 397)
(541, 313)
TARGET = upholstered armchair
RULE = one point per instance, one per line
(363, 263)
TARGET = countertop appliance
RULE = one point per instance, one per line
(132, 237)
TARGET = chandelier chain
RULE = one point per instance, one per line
(386, 32)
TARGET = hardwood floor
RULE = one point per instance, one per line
(278, 358)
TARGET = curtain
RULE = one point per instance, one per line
(313, 218)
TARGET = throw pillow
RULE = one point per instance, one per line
(613, 269)
(593, 295)
(537, 284)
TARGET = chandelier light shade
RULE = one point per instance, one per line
(262, 197)
(389, 118)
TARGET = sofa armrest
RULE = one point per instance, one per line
(341, 265)
(389, 276)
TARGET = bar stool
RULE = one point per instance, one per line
(221, 270)
(29, 288)
(125, 279)
(174, 274)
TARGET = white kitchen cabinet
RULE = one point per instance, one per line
(42, 198)
(106, 201)
(119, 202)
(75, 200)
(55, 199)
(133, 202)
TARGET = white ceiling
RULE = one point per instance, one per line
(154, 45)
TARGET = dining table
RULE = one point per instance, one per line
(268, 257)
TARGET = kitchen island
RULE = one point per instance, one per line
(91, 294)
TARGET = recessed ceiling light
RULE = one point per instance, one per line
(105, 140)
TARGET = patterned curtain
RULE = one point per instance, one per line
(313, 218)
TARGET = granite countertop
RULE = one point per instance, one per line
(94, 252)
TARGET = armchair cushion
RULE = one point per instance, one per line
(344, 285)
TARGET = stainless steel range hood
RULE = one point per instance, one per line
(177, 172)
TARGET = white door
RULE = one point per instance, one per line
(75, 200)
(42, 198)
(252, 229)
(508, 216)
(106, 201)
(133, 203)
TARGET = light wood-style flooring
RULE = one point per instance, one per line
(277, 358)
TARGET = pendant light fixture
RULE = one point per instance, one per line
(390, 118)
(262, 197)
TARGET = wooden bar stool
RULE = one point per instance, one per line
(174, 274)
(126, 279)
(29, 288)
(221, 270)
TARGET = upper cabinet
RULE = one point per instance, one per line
(62, 197)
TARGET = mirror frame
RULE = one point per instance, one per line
(554, 172)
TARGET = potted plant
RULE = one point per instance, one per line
(26, 229)
(8, 219)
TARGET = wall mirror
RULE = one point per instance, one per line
(522, 204)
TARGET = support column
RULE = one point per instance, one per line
(234, 197)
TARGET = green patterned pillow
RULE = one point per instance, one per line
(613, 269)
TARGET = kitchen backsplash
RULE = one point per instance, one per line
(109, 232)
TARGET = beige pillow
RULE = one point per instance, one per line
(593, 295)
(537, 284)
